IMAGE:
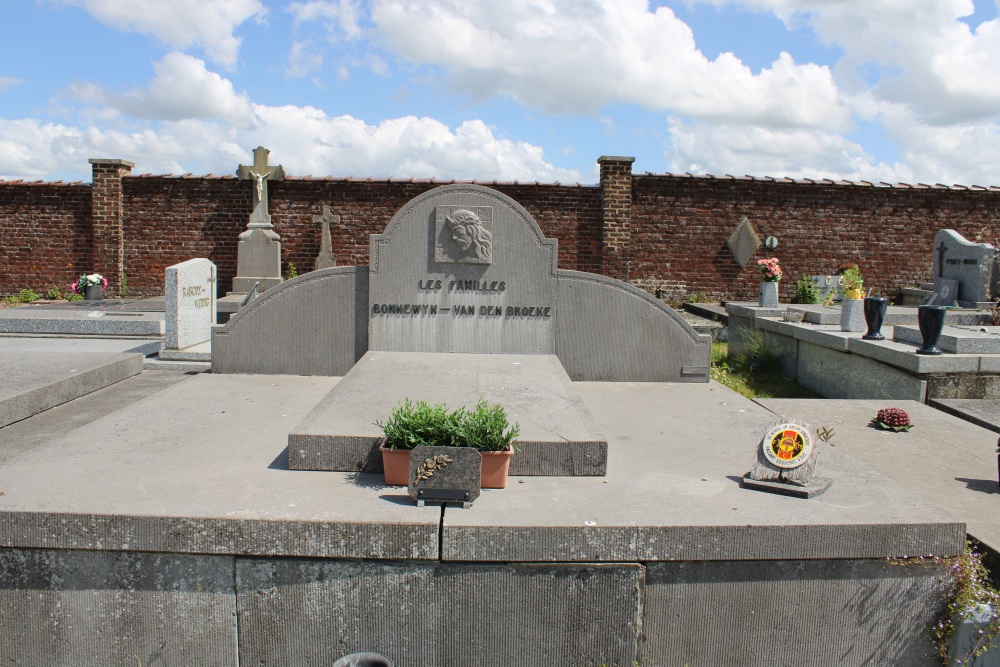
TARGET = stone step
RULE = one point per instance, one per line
(558, 435)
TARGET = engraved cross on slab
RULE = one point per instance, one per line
(260, 172)
(325, 259)
(942, 249)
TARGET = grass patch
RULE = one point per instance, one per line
(754, 374)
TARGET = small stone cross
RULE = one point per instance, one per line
(942, 249)
(259, 172)
(325, 259)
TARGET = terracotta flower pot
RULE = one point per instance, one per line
(395, 465)
(495, 467)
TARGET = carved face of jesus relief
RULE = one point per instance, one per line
(470, 236)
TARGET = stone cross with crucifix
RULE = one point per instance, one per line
(260, 172)
(325, 258)
(258, 256)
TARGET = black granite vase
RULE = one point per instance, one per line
(875, 309)
(931, 321)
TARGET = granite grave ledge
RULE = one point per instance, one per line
(34, 381)
(558, 435)
(218, 535)
(78, 322)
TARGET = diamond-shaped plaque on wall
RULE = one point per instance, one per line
(743, 242)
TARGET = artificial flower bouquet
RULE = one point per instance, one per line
(770, 270)
(85, 281)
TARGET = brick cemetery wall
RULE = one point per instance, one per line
(663, 233)
(45, 235)
(680, 226)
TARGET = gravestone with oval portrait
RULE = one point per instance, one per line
(785, 462)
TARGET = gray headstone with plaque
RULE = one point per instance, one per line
(464, 271)
(189, 303)
(785, 462)
(973, 265)
(445, 474)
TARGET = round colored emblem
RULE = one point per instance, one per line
(787, 445)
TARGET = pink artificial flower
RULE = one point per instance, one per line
(73, 287)
(104, 282)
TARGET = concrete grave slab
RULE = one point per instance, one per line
(558, 436)
(673, 493)
(979, 411)
(196, 467)
(956, 340)
(32, 382)
(948, 462)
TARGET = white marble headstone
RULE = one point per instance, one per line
(190, 303)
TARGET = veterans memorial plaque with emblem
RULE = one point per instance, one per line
(785, 462)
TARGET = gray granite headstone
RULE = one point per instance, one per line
(462, 270)
(189, 303)
(785, 461)
(445, 474)
(325, 258)
(826, 285)
(743, 242)
(258, 256)
(973, 265)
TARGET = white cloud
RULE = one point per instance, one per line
(182, 88)
(567, 56)
(742, 149)
(344, 15)
(180, 23)
(915, 52)
(8, 82)
(304, 139)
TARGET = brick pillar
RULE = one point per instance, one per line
(108, 249)
(616, 215)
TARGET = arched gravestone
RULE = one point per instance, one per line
(465, 269)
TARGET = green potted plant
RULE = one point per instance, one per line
(852, 282)
(484, 428)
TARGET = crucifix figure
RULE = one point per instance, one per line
(258, 256)
(325, 259)
(260, 171)
(941, 251)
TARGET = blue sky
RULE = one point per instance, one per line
(529, 90)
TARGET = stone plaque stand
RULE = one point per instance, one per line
(445, 475)
(259, 255)
(785, 462)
